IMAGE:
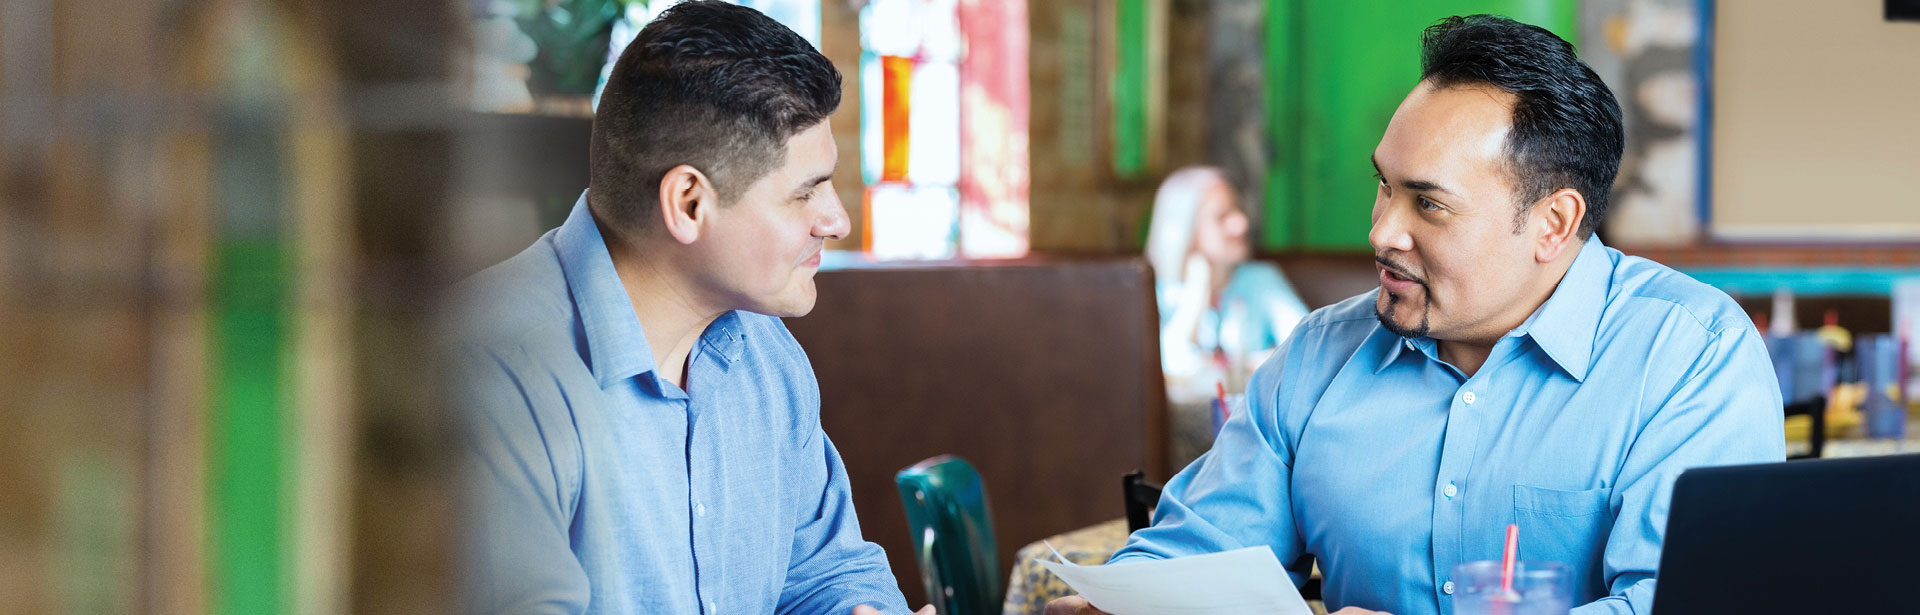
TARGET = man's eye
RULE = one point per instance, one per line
(1428, 205)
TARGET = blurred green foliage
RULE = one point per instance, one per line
(572, 37)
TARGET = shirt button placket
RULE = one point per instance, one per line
(1455, 458)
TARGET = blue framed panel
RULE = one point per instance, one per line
(1803, 281)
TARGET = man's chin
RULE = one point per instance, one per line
(799, 310)
(1398, 315)
(794, 304)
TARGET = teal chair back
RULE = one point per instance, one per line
(952, 535)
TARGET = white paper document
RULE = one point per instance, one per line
(1246, 581)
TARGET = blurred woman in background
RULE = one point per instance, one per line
(1221, 315)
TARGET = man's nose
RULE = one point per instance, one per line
(834, 223)
(1388, 233)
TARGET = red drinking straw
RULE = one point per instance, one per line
(1507, 560)
(1220, 387)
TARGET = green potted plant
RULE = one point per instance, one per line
(572, 36)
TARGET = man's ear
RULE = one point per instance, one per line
(1556, 223)
(686, 195)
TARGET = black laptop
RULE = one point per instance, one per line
(1817, 536)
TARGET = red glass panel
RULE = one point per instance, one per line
(994, 126)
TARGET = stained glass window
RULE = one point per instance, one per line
(943, 119)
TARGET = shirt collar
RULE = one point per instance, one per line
(1567, 323)
(1398, 345)
(726, 337)
(616, 346)
(1394, 348)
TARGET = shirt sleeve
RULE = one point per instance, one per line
(1237, 494)
(519, 556)
(1725, 411)
(832, 568)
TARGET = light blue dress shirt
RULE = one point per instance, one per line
(1366, 452)
(599, 487)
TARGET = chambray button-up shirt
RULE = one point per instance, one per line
(599, 487)
(1368, 453)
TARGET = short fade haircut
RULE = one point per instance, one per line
(713, 85)
(1566, 124)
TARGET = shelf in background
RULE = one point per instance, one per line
(569, 106)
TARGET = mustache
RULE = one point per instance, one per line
(819, 248)
(1399, 269)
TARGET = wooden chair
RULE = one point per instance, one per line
(1816, 409)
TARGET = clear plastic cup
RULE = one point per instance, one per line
(1539, 588)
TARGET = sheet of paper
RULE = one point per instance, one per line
(1246, 581)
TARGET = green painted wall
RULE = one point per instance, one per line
(250, 451)
(1130, 81)
(1336, 70)
(250, 438)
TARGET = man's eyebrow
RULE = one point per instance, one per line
(1425, 186)
(1419, 185)
(813, 181)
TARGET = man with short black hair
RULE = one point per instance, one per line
(644, 433)
(1509, 369)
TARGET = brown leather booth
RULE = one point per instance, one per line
(1044, 373)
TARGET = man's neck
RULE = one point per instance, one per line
(1465, 356)
(1470, 353)
(671, 318)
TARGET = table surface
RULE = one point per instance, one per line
(1030, 586)
(1864, 447)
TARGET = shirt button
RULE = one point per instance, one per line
(1451, 491)
(1467, 398)
(700, 509)
(1447, 588)
(714, 607)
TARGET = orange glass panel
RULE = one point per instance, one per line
(897, 84)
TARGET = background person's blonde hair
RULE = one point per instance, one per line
(1170, 232)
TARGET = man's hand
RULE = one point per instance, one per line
(867, 610)
(1072, 605)
(1075, 605)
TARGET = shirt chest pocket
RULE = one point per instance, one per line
(1569, 527)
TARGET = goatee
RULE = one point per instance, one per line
(1386, 320)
